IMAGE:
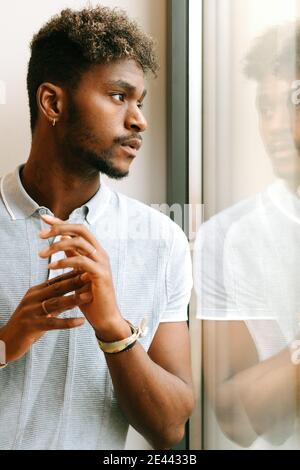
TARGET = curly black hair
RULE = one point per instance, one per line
(73, 41)
(276, 52)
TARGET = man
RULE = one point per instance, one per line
(246, 271)
(77, 381)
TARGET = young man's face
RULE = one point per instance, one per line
(104, 123)
(279, 120)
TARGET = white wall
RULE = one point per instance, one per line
(19, 20)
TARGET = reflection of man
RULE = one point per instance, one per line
(60, 387)
(247, 272)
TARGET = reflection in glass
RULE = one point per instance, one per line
(246, 268)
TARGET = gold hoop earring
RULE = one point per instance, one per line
(53, 122)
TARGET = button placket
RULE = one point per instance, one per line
(75, 218)
(56, 257)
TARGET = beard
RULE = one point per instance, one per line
(79, 144)
(90, 162)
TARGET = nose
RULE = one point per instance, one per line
(281, 120)
(135, 120)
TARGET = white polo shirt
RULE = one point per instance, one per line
(60, 394)
(246, 268)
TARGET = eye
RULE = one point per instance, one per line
(118, 96)
(266, 109)
(140, 105)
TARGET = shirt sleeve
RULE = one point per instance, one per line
(179, 280)
(228, 273)
(210, 279)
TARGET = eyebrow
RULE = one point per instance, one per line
(125, 86)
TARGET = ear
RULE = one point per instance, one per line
(50, 101)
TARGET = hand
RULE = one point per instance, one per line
(30, 321)
(85, 254)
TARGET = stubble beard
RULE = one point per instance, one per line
(80, 157)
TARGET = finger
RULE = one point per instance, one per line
(69, 253)
(60, 288)
(62, 323)
(86, 290)
(87, 287)
(51, 220)
(78, 262)
(57, 305)
(69, 229)
(61, 277)
(55, 289)
(76, 245)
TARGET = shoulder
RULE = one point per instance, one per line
(228, 220)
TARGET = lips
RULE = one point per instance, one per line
(134, 144)
(280, 146)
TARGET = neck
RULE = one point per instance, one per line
(293, 186)
(51, 185)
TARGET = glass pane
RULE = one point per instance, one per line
(246, 263)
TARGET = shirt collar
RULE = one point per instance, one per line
(20, 205)
(286, 201)
(98, 203)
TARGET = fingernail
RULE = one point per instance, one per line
(83, 277)
(44, 232)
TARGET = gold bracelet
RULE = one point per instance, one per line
(124, 344)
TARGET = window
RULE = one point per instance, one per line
(244, 167)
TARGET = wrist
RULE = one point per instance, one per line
(113, 330)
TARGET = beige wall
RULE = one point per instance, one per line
(18, 21)
(252, 170)
(236, 165)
